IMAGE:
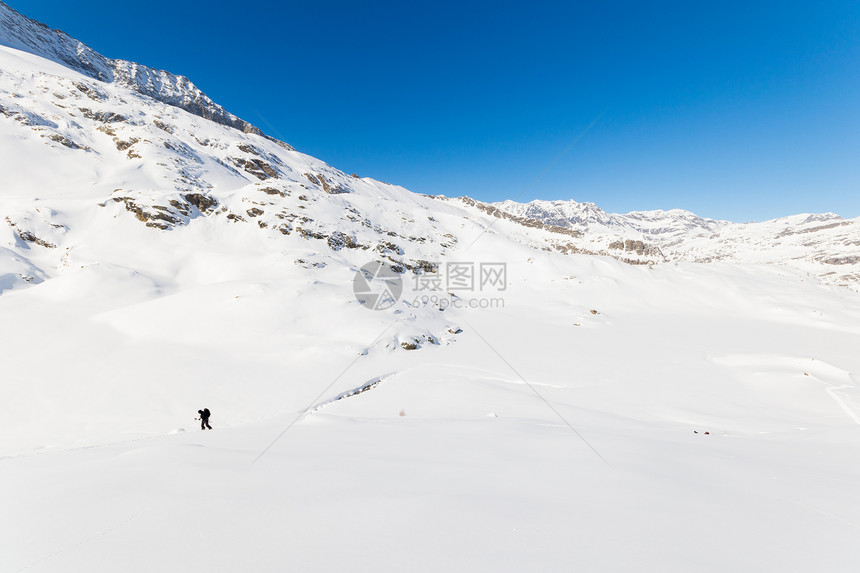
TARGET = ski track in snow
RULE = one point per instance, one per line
(844, 402)
(834, 380)
(86, 540)
(814, 509)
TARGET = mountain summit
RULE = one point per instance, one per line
(18, 31)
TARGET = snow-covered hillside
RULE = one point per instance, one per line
(536, 399)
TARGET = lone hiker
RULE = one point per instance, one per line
(204, 418)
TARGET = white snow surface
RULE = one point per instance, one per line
(600, 416)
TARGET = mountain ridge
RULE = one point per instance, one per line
(823, 244)
(20, 32)
(117, 137)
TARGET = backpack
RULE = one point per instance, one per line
(205, 413)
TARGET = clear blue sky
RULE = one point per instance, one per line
(735, 110)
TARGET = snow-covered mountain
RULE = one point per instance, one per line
(18, 31)
(825, 245)
(599, 402)
(129, 161)
(589, 217)
(149, 143)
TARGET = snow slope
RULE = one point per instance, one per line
(451, 462)
(153, 262)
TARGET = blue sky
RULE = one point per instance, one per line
(735, 110)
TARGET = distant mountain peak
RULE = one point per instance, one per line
(588, 216)
(19, 32)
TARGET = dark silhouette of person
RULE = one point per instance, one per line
(204, 418)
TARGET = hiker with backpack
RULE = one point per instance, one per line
(204, 418)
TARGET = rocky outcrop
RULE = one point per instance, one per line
(641, 248)
(179, 210)
(329, 187)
